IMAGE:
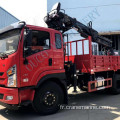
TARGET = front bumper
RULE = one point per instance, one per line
(4, 92)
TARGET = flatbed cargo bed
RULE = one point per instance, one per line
(88, 63)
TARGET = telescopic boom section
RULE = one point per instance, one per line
(60, 21)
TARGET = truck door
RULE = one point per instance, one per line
(58, 52)
(39, 56)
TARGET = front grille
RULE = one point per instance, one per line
(1, 96)
(1, 73)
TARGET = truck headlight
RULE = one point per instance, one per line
(12, 77)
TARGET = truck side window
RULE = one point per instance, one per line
(58, 41)
(40, 41)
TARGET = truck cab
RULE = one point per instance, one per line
(30, 57)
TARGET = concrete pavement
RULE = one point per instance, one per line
(80, 99)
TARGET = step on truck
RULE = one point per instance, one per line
(38, 67)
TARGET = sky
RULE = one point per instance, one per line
(31, 11)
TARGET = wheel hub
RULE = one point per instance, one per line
(49, 98)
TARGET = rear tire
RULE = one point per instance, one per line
(115, 84)
(48, 98)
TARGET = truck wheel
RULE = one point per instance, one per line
(48, 98)
(115, 84)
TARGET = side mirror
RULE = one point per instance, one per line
(27, 44)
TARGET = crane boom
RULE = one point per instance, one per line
(60, 21)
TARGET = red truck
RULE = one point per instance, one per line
(37, 66)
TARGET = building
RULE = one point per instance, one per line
(6, 18)
(103, 15)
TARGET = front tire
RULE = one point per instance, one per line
(48, 98)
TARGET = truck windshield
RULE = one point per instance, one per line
(9, 42)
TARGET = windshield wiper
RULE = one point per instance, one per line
(3, 55)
